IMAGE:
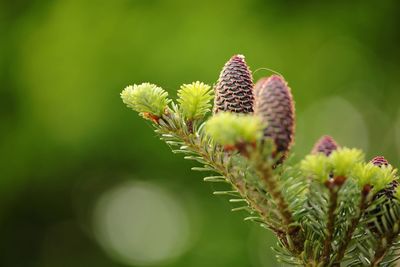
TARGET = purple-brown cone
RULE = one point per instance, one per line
(259, 85)
(379, 161)
(387, 192)
(325, 145)
(234, 90)
(391, 189)
(274, 104)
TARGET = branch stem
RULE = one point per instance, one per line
(380, 252)
(385, 242)
(254, 200)
(353, 225)
(292, 238)
(333, 196)
(273, 189)
(257, 200)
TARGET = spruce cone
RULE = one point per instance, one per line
(390, 190)
(274, 104)
(379, 161)
(234, 90)
(325, 145)
(387, 192)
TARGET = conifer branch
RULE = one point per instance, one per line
(251, 152)
(330, 226)
(273, 188)
(389, 236)
(251, 194)
(385, 243)
(353, 224)
(292, 238)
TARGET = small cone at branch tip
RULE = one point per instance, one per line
(234, 90)
(379, 161)
(326, 145)
(274, 104)
(388, 192)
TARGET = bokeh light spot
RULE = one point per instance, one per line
(141, 224)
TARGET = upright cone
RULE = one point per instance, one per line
(390, 190)
(325, 145)
(379, 161)
(387, 193)
(274, 104)
(234, 90)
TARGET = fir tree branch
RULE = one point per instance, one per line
(333, 203)
(318, 221)
(353, 225)
(385, 243)
(258, 203)
(274, 190)
(294, 242)
(255, 200)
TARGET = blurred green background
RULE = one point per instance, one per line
(85, 182)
